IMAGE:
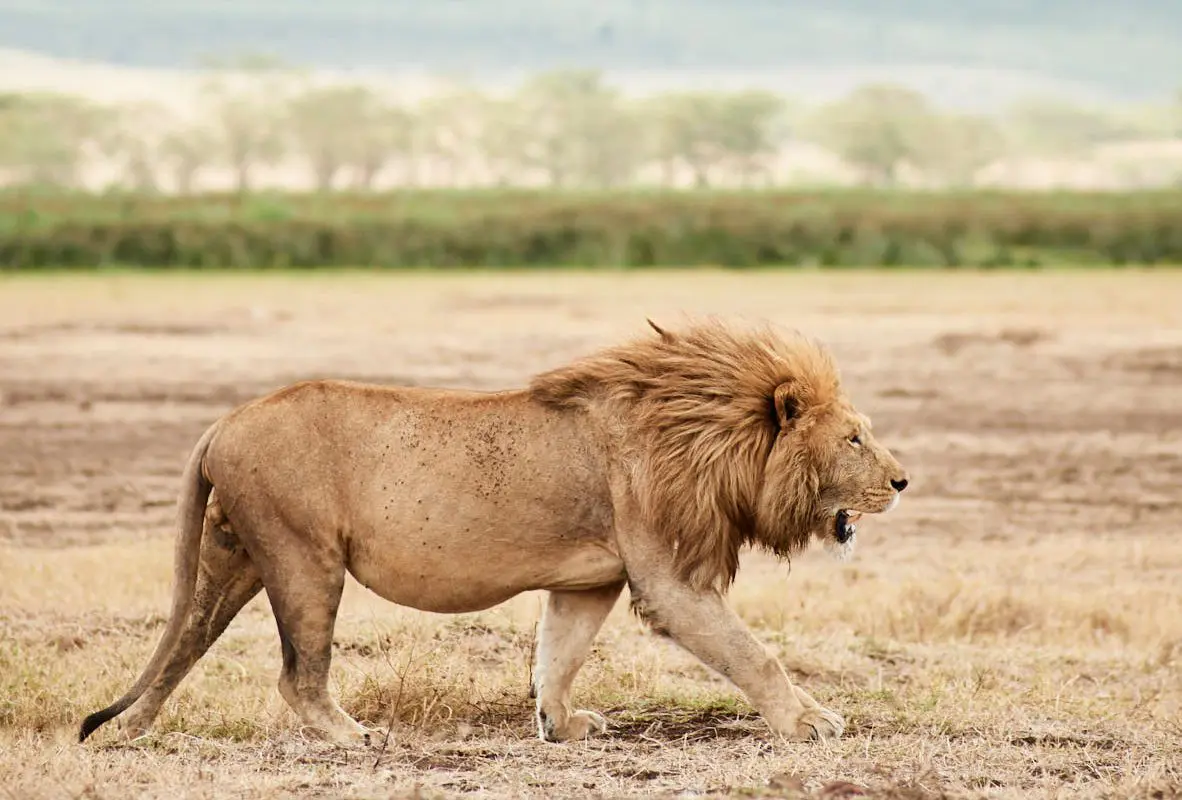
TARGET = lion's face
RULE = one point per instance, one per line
(858, 475)
(825, 471)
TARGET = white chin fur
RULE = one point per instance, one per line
(842, 551)
(894, 502)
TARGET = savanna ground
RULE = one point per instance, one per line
(1013, 629)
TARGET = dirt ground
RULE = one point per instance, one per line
(1013, 629)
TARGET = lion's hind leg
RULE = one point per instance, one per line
(570, 623)
(226, 582)
(304, 582)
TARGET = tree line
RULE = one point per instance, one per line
(562, 129)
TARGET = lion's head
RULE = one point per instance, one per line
(848, 473)
(734, 438)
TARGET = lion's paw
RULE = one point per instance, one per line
(132, 727)
(344, 732)
(817, 724)
(128, 735)
(580, 725)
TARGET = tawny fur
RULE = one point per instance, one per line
(699, 421)
(650, 464)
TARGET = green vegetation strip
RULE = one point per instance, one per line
(465, 229)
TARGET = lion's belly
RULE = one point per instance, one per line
(456, 554)
(466, 576)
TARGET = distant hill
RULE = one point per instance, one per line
(1130, 50)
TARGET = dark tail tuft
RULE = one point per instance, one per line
(100, 718)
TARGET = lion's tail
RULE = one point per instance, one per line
(195, 490)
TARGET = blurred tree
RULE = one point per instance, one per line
(612, 144)
(876, 128)
(688, 128)
(386, 138)
(1177, 123)
(504, 135)
(954, 147)
(331, 127)
(552, 103)
(448, 137)
(184, 151)
(581, 131)
(1045, 126)
(1177, 114)
(132, 140)
(246, 96)
(752, 130)
(336, 128)
(44, 137)
(740, 132)
(1150, 121)
(609, 132)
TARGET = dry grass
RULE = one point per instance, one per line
(1014, 630)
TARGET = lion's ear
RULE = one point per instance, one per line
(785, 405)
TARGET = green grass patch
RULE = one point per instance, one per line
(523, 229)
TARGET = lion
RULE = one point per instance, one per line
(648, 464)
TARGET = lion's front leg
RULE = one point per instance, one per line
(702, 623)
(569, 625)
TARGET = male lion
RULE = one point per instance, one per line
(648, 464)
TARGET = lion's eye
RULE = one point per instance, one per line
(856, 440)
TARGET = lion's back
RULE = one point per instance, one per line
(350, 445)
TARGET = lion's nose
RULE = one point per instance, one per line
(899, 485)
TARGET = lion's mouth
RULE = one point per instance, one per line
(843, 525)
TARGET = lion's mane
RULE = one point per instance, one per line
(696, 418)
